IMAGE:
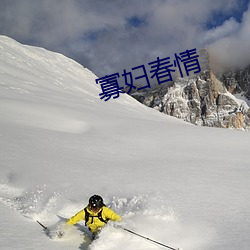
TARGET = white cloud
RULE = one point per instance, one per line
(226, 29)
(234, 49)
(98, 34)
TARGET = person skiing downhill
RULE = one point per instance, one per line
(95, 214)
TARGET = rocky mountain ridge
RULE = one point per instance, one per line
(237, 81)
(204, 99)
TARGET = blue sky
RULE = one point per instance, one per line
(108, 36)
(218, 17)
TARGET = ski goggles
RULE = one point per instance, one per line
(94, 208)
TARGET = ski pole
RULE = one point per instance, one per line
(45, 228)
(146, 238)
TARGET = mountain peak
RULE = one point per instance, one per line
(201, 99)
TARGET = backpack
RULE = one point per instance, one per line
(88, 216)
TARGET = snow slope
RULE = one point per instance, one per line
(176, 183)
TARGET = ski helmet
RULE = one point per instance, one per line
(95, 202)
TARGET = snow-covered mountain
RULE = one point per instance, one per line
(182, 185)
(237, 81)
(203, 99)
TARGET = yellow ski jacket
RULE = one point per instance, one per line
(94, 223)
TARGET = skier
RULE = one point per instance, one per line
(95, 214)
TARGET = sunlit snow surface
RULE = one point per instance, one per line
(181, 185)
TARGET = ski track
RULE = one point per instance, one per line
(144, 214)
